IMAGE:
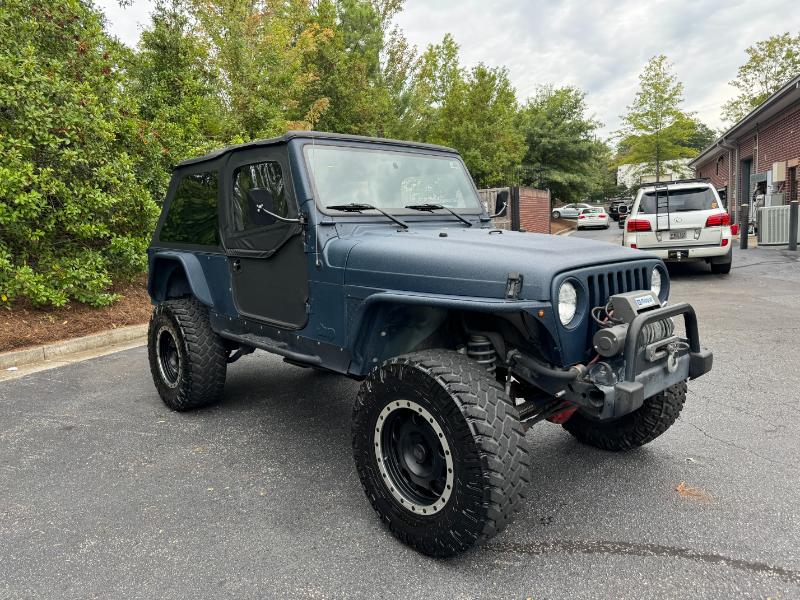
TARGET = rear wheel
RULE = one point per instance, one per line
(721, 268)
(638, 428)
(440, 451)
(188, 360)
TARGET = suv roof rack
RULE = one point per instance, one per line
(674, 181)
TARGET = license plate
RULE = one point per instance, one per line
(677, 254)
(677, 235)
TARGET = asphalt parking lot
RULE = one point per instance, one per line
(105, 493)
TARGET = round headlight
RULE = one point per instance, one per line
(567, 302)
(655, 282)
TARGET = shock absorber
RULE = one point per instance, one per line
(480, 349)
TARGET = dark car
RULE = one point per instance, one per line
(376, 260)
(615, 207)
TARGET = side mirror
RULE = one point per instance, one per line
(500, 204)
(261, 206)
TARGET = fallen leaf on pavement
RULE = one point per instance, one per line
(693, 493)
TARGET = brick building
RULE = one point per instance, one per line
(528, 208)
(759, 154)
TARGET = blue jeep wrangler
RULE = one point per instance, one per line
(375, 259)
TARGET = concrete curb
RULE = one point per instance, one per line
(39, 354)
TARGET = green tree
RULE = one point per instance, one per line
(702, 136)
(180, 112)
(655, 129)
(73, 214)
(473, 111)
(348, 69)
(770, 64)
(563, 152)
(257, 55)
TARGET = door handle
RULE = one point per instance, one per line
(236, 264)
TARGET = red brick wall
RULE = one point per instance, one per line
(534, 210)
(715, 169)
(779, 141)
(746, 147)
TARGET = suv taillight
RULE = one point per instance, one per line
(637, 225)
(718, 220)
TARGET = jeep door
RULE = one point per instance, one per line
(266, 255)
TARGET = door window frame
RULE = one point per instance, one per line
(241, 158)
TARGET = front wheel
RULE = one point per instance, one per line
(188, 360)
(635, 429)
(556, 215)
(440, 451)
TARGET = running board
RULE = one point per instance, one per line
(270, 345)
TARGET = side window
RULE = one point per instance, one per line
(258, 189)
(192, 217)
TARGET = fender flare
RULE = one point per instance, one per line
(158, 275)
(366, 321)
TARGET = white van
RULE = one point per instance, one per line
(681, 221)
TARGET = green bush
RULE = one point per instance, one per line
(74, 215)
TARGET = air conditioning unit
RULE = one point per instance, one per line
(773, 226)
(774, 199)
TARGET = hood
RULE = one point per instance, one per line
(467, 262)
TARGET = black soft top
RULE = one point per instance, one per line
(315, 135)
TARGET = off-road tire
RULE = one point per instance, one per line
(202, 356)
(721, 268)
(491, 460)
(636, 429)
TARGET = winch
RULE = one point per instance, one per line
(620, 311)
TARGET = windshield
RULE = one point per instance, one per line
(588, 211)
(388, 179)
(680, 200)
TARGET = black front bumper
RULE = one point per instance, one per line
(643, 378)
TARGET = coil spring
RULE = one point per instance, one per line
(653, 332)
(480, 349)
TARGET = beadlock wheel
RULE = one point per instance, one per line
(413, 457)
(188, 360)
(440, 451)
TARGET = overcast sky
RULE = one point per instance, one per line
(597, 45)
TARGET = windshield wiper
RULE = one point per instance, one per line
(433, 207)
(355, 207)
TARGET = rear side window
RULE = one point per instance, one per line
(258, 189)
(192, 216)
(682, 200)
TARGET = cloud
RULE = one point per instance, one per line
(597, 45)
(601, 46)
(126, 22)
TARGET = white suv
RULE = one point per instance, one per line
(681, 221)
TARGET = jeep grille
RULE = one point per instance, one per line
(603, 285)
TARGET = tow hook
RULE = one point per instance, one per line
(673, 351)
